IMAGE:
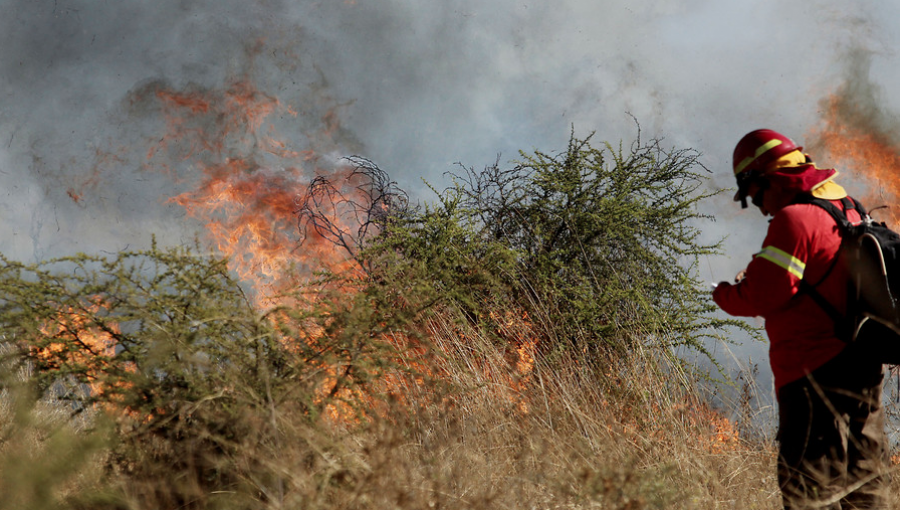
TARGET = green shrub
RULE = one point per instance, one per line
(171, 389)
(607, 239)
(165, 345)
(599, 247)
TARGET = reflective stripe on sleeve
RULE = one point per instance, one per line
(783, 260)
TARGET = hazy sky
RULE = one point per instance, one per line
(415, 85)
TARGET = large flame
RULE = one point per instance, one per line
(856, 143)
(244, 183)
(247, 186)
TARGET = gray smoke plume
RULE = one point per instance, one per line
(859, 108)
(414, 86)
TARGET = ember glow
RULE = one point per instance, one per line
(518, 330)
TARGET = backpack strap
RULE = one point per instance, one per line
(843, 325)
(840, 216)
(851, 203)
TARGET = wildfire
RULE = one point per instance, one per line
(248, 184)
(75, 340)
(866, 148)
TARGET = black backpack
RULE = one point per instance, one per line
(871, 253)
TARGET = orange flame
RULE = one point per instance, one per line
(92, 345)
(519, 331)
(867, 149)
(248, 207)
(246, 195)
(248, 216)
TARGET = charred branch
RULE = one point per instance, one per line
(349, 210)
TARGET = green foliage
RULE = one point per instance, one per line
(170, 388)
(164, 344)
(598, 245)
(605, 237)
(438, 257)
(43, 453)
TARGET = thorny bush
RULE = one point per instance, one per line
(597, 245)
(192, 393)
(191, 384)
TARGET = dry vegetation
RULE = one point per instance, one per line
(508, 348)
(485, 435)
(570, 436)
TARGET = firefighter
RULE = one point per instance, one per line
(832, 446)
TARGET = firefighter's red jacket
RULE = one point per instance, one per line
(801, 243)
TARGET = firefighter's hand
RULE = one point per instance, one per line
(740, 276)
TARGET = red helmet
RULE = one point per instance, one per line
(759, 148)
(753, 153)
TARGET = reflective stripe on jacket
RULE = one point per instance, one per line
(801, 243)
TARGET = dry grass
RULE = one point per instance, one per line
(628, 434)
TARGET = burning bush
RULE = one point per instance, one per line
(437, 319)
(164, 345)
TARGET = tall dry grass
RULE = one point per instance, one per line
(627, 432)
(634, 433)
(624, 433)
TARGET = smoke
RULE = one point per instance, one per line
(859, 106)
(414, 86)
(859, 102)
